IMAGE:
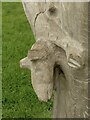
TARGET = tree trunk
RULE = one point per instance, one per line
(61, 33)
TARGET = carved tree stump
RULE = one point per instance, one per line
(59, 58)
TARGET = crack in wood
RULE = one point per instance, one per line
(37, 16)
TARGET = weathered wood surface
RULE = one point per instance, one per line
(59, 58)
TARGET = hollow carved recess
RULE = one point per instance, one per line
(59, 60)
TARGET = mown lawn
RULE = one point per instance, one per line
(19, 98)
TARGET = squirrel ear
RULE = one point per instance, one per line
(38, 51)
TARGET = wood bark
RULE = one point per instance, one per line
(59, 58)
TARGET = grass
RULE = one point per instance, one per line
(0, 60)
(19, 98)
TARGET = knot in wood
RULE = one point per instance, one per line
(52, 8)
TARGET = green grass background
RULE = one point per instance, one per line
(0, 60)
(19, 98)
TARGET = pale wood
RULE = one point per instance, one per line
(61, 32)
